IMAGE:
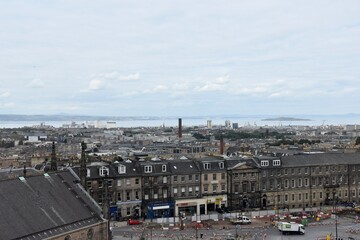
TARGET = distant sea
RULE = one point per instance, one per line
(200, 121)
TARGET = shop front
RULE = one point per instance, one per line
(160, 209)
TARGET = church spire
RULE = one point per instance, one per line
(53, 166)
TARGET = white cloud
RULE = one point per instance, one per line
(36, 83)
(214, 85)
(117, 76)
(7, 105)
(96, 84)
(130, 77)
(5, 94)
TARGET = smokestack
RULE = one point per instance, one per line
(221, 145)
(180, 128)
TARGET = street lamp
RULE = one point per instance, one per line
(236, 229)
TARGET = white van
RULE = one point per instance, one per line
(241, 220)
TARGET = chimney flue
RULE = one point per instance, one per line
(180, 128)
(221, 145)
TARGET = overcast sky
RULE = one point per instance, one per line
(179, 58)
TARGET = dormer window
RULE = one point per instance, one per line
(121, 169)
(148, 169)
(88, 172)
(276, 162)
(104, 171)
(221, 165)
(264, 163)
(206, 165)
(163, 168)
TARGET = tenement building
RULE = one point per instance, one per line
(309, 180)
(156, 188)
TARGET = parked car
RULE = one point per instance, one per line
(133, 222)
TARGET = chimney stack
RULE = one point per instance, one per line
(221, 145)
(180, 128)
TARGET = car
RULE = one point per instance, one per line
(133, 222)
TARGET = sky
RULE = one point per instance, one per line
(179, 58)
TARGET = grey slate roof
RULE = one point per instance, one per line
(320, 159)
(44, 206)
(183, 167)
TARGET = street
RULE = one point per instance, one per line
(346, 228)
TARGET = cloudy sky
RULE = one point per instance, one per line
(179, 58)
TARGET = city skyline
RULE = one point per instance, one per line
(125, 58)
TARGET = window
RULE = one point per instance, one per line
(128, 211)
(183, 178)
(183, 189)
(88, 184)
(175, 190)
(156, 193)
(104, 171)
(306, 182)
(137, 181)
(100, 184)
(285, 171)
(190, 177)
(175, 178)
(264, 163)
(197, 189)
(119, 183)
(164, 179)
(306, 170)
(206, 188)
(128, 196)
(276, 162)
(299, 182)
(222, 187)
(122, 169)
(196, 178)
(286, 197)
(119, 196)
(190, 190)
(137, 195)
(221, 165)
(253, 186)
(321, 195)
(215, 186)
(128, 181)
(214, 176)
(293, 197)
(165, 193)
(299, 196)
(148, 169)
(87, 172)
(292, 183)
(163, 168)
(222, 176)
(205, 177)
(206, 165)
(286, 183)
(236, 188)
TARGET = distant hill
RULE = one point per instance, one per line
(286, 119)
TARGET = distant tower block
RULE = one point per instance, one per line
(180, 128)
(235, 125)
(209, 124)
(227, 124)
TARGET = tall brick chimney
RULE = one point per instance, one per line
(221, 145)
(180, 128)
